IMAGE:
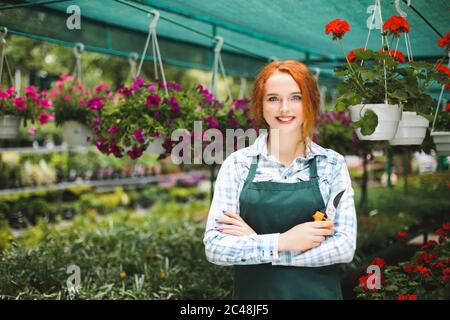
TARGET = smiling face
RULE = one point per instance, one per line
(282, 103)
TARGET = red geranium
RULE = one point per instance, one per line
(445, 274)
(443, 69)
(426, 258)
(402, 234)
(407, 297)
(444, 41)
(396, 25)
(409, 268)
(378, 262)
(351, 55)
(428, 245)
(424, 271)
(338, 28)
(397, 54)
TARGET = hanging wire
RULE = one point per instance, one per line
(77, 51)
(3, 58)
(219, 64)
(132, 60)
(204, 34)
(156, 53)
(440, 98)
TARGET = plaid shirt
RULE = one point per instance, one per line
(224, 249)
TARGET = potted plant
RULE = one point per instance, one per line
(418, 104)
(10, 106)
(142, 114)
(440, 130)
(379, 84)
(30, 107)
(72, 104)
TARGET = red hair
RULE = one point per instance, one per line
(305, 81)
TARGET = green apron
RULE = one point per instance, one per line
(271, 207)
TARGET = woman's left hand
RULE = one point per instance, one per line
(232, 223)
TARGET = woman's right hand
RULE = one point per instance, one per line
(305, 236)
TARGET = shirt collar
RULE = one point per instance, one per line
(259, 147)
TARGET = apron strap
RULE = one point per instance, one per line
(252, 171)
(313, 168)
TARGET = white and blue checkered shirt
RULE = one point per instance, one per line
(224, 249)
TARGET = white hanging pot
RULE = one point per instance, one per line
(74, 133)
(388, 115)
(442, 141)
(9, 126)
(155, 147)
(411, 130)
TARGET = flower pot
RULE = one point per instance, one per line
(9, 126)
(155, 147)
(388, 119)
(74, 133)
(442, 141)
(411, 130)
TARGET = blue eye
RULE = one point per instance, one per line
(272, 99)
(297, 97)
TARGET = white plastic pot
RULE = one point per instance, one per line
(388, 119)
(74, 133)
(9, 127)
(155, 147)
(442, 141)
(411, 130)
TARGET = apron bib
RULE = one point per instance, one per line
(271, 207)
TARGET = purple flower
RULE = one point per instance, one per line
(170, 85)
(45, 117)
(240, 103)
(96, 103)
(153, 101)
(102, 146)
(213, 123)
(115, 150)
(113, 129)
(206, 94)
(125, 91)
(19, 103)
(135, 152)
(45, 103)
(233, 123)
(137, 84)
(168, 145)
(139, 136)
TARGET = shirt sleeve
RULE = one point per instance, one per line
(339, 248)
(224, 249)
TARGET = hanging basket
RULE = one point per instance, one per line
(388, 119)
(74, 133)
(411, 130)
(9, 127)
(442, 141)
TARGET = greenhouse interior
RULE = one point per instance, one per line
(99, 200)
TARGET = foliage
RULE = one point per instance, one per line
(425, 276)
(121, 256)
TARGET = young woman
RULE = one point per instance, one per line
(260, 219)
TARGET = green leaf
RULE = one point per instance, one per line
(367, 123)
